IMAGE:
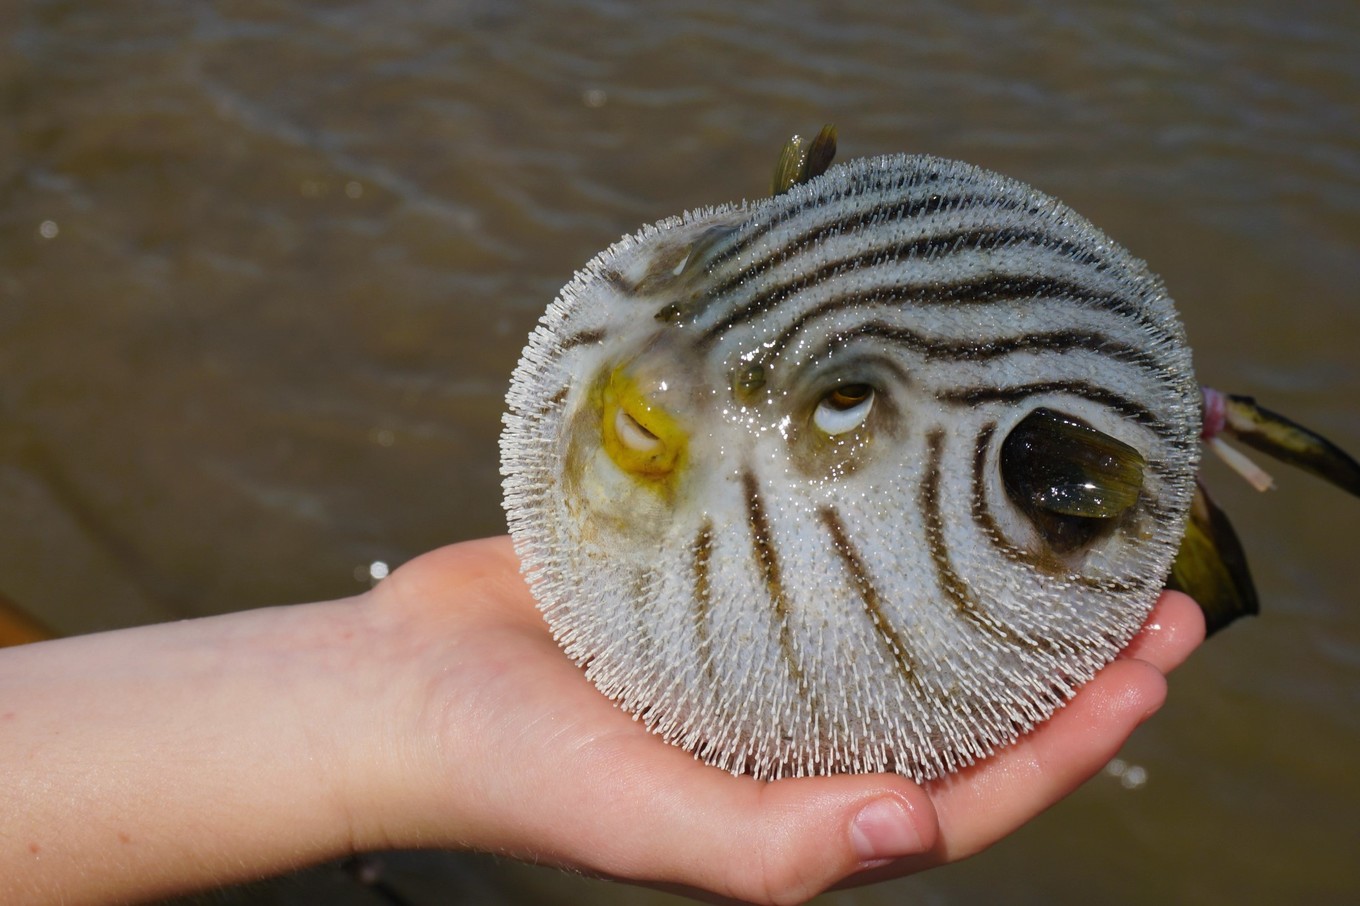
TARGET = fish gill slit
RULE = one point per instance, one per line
(767, 561)
(868, 592)
(947, 578)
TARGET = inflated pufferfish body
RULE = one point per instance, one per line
(870, 475)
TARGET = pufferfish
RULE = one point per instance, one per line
(869, 475)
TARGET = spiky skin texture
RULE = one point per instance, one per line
(781, 600)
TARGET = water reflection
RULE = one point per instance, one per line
(1130, 776)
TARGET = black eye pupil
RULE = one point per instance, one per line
(848, 396)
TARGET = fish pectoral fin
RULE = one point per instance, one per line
(801, 160)
(1289, 442)
(1211, 566)
(1070, 479)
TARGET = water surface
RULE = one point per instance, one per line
(265, 269)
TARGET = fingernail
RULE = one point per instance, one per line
(884, 830)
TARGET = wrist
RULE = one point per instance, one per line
(431, 768)
(372, 687)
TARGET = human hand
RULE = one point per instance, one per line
(509, 749)
(436, 711)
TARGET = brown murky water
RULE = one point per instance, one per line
(265, 269)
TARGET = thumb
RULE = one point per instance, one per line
(772, 842)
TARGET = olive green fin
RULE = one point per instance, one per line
(1289, 442)
(1211, 566)
(802, 160)
(1069, 478)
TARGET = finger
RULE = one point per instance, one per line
(1173, 630)
(982, 804)
(747, 840)
(985, 803)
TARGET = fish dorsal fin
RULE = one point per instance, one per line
(802, 160)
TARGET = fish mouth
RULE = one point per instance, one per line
(641, 435)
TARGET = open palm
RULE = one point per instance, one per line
(526, 758)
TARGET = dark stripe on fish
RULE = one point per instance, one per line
(767, 561)
(986, 350)
(920, 205)
(641, 639)
(972, 396)
(924, 249)
(950, 583)
(873, 602)
(617, 281)
(584, 338)
(703, 601)
(988, 290)
(556, 399)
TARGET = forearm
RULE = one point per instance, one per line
(156, 759)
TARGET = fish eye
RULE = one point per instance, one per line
(844, 409)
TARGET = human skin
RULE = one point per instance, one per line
(435, 711)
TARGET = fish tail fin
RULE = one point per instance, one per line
(1241, 418)
(1211, 566)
